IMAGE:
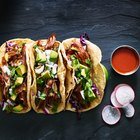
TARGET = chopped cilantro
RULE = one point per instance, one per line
(35, 46)
(54, 108)
(88, 61)
(41, 95)
(40, 81)
(13, 71)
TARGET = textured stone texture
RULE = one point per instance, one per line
(109, 23)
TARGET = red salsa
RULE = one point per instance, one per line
(125, 60)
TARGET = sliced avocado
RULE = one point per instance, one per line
(53, 56)
(13, 97)
(83, 66)
(46, 74)
(19, 81)
(74, 49)
(91, 94)
(83, 72)
(21, 70)
(40, 57)
(43, 58)
(18, 108)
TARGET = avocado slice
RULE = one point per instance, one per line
(18, 108)
(83, 72)
(21, 70)
(46, 74)
(41, 57)
(91, 96)
(74, 49)
(83, 66)
(19, 81)
(53, 56)
(13, 97)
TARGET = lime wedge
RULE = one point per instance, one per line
(106, 72)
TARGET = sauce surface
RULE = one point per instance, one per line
(125, 60)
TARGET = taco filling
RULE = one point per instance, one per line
(85, 91)
(48, 95)
(13, 77)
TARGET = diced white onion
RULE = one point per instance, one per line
(10, 103)
(20, 63)
(82, 94)
(43, 43)
(39, 70)
(48, 52)
(50, 63)
(38, 93)
(54, 69)
(85, 47)
(10, 91)
(6, 70)
(47, 86)
(70, 62)
(37, 50)
(46, 111)
(75, 78)
(4, 106)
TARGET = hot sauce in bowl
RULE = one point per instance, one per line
(125, 60)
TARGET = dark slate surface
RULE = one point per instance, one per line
(109, 23)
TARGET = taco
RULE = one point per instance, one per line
(85, 78)
(15, 77)
(48, 72)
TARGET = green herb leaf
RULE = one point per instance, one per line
(15, 77)
(13, 71)
(89, 95)
(42, 96)
(8, 108)
(37, 101)
(40, 81)
(90, 82)
(35, 46)
(88, 61)
(52, 75)
(54, 108)
(78, 73)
